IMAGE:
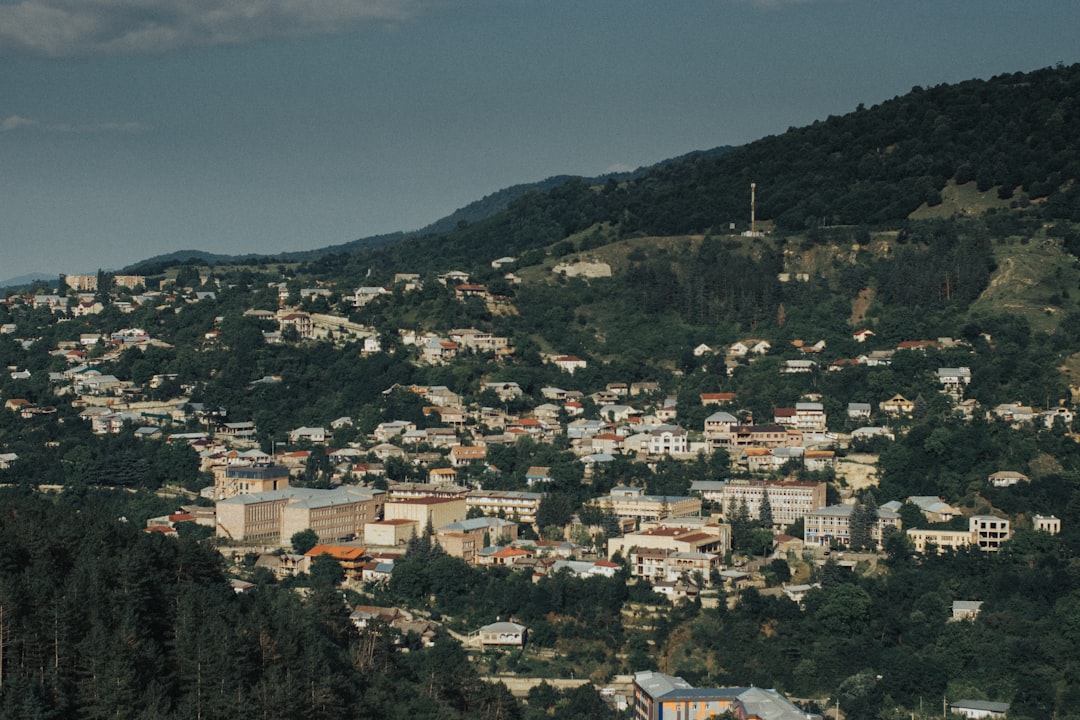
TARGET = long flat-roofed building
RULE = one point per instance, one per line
(691, 538)
(509, 504)
(276, 515)
(660, 697)
(633, 502)
(833, 524)
(790, 500)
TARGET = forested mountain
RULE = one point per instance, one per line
(874, 166)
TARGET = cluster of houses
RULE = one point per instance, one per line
(665, 539)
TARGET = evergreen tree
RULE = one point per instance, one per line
(765, 516)
(740, 525)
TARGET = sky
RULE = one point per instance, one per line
(132, 128)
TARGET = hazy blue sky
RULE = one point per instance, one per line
(130, 128)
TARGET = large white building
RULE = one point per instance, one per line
(832, 524)
(790, 500)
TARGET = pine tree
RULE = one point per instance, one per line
(739, 519)
(765, 516)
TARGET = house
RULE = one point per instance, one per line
(857, 410)
(977, 709)
(314, 435)
(668, 440)
(1047, 524)
(364, 615)
(536, 474)
(391, 533)
(502, 634)
(462, 455)
(1059, 414)
(717, 398)
(1014, 413)
(350, 558)
(966, 609)
(935, 509)
(464, 539)
(442, 476)
(569, 363)
(1007, 478)
(897, 405)
(666, 565)
(954, 380)
(790, 367)
(862, 335)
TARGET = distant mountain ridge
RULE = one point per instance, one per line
(475, 211)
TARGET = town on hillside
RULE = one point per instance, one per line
(553, 472)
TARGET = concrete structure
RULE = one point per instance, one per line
(502, 634)
(990, 531)
(247, 479)
(275, 516)
(790, 501)
(833, 524)
(1047, 524)
(511, 505)
(663, 697)
(426, 510)
(977, 709)
(391, 533)
(671, 565)
(692, 538)
(941, 540)
(465, 538)
(633, 502)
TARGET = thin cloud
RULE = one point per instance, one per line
(18, 122)
(66, 28)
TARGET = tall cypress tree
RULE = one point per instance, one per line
(765, 516)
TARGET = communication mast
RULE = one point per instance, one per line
(753, 224)
(753, 231)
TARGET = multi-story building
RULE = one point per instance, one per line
(942, 540)
(832, 524)
(702, 537)
(789, 500)
(81, 283)
(275, 516)
(508, 504)
(464, 539)
(633, 502)
(668, 440)
(658, 565)
(990, 531)
(1047, 524)
(663, 697)
(426, 510)
(720, 428)
(247, 479)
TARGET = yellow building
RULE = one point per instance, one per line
(426, 510)
(941, 539)
(633, 502)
